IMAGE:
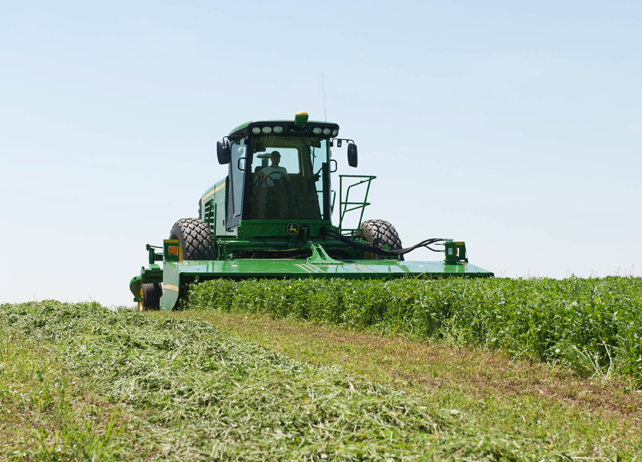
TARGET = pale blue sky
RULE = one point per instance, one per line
(516, 127)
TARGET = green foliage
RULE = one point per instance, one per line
(592, 325)
(190, 392)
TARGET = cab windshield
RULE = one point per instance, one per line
(284, 178)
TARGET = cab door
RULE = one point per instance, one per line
(237, 172)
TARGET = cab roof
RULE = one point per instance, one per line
(289, 127)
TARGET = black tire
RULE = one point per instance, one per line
(378, 233)
(195, 239)
(151, 294)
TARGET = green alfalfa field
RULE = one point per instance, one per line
(411, 369)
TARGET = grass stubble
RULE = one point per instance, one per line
(595, 417)
(82, 382)
(591, 326)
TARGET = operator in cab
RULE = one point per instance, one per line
(273, 172)
(271, 179)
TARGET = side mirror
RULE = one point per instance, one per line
(223, 151)
(353, 158)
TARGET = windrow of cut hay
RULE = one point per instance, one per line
(191, 392)
(592, 325)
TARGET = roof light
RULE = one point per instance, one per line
(317, 130)
(278, 129)
(301, 118)
(326, 131)
(267, 129)
(256, 130)
(335, 132)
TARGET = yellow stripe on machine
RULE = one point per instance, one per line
(170, 287)
(215, 190)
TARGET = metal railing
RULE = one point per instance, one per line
(346, 205)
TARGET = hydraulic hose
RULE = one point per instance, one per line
(376, 250)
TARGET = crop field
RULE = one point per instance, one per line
(590, 325)
(330, 370)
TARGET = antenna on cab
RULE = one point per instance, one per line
(323, 85)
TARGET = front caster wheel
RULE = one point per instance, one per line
(150, 296)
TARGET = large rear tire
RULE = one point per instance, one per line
(150, 294)
(195, 239)
(379, 233)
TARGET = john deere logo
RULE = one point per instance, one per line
(292, 228)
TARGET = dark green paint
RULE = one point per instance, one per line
(277, 228)
(455, 252)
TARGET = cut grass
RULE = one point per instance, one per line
(191, 392)
(46, 414)
(594, 418)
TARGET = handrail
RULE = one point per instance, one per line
(344, 203)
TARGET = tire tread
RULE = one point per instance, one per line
(379, 233)
(195, 238)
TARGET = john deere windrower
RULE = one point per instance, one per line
(271, 218)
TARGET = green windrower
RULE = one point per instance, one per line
(271, 217)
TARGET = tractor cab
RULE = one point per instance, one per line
(280, 170)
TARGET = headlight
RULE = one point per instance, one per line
(335, 132)
(278, 129)
(256, 130)
(326, 131)
(267, 129)
(317, 130)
